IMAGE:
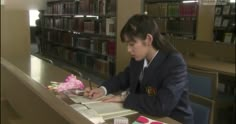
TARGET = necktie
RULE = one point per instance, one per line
(142, 74)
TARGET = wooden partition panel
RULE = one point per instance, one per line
(28, 105)
(211, 50)
(33, 102)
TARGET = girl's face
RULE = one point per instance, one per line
(138, 48)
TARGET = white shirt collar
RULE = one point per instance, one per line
(145, 64)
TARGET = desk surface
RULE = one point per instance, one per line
(43, 72)
(212, 65)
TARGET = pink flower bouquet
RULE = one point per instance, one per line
(70, 83)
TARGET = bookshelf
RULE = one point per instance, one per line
(224, 22)
(81, 33)
(174, 17)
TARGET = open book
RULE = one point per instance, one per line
(105, 110)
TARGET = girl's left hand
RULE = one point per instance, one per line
(116, 98)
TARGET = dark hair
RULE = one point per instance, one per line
(139, 26)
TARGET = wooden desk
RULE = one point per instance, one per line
(212, 65)
(26, 91)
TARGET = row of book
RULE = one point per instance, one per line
(83, 59)
(226, 37)
(102, 26)
(86, 7)
(95, 45)
(105, 26)
(181, 27)
(224, 23)
(225, 10)
(98, 7)
(59, 37)
(61, 8)
(48, 22)
(103, 47)
(63, 23)
(163, 22)
(172, 9)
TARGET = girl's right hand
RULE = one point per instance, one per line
(93, 93)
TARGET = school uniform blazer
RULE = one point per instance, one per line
(162, 92)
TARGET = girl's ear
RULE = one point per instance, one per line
(149, 39)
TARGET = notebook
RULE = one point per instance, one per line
(104, 110)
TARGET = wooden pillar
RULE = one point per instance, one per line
(125, 9)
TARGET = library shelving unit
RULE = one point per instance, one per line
(224, 23)
(81, 33)
(174, 17)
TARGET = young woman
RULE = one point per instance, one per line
(156, 77)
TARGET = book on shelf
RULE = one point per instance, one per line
(225, 23)
(89, 61)
(73, 57)
(218, 20)
(80, 57)
(218, 10)
(189, 9)
(93, 7)
(78, 25)
(82, 42)
(89, 26)
(104, 110)
(110, 26)
(152, 9)
(111, 48)
(84, 7)
(157, 9)
(161, 24)
(104, 47)
(92, 45)
(102, 66)
(226, 10)
(68, 8)
(77, 8)
(228, 37)
(111, 7)
(232, 12)
(173, 9)
(100, 26)
(102, 7)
